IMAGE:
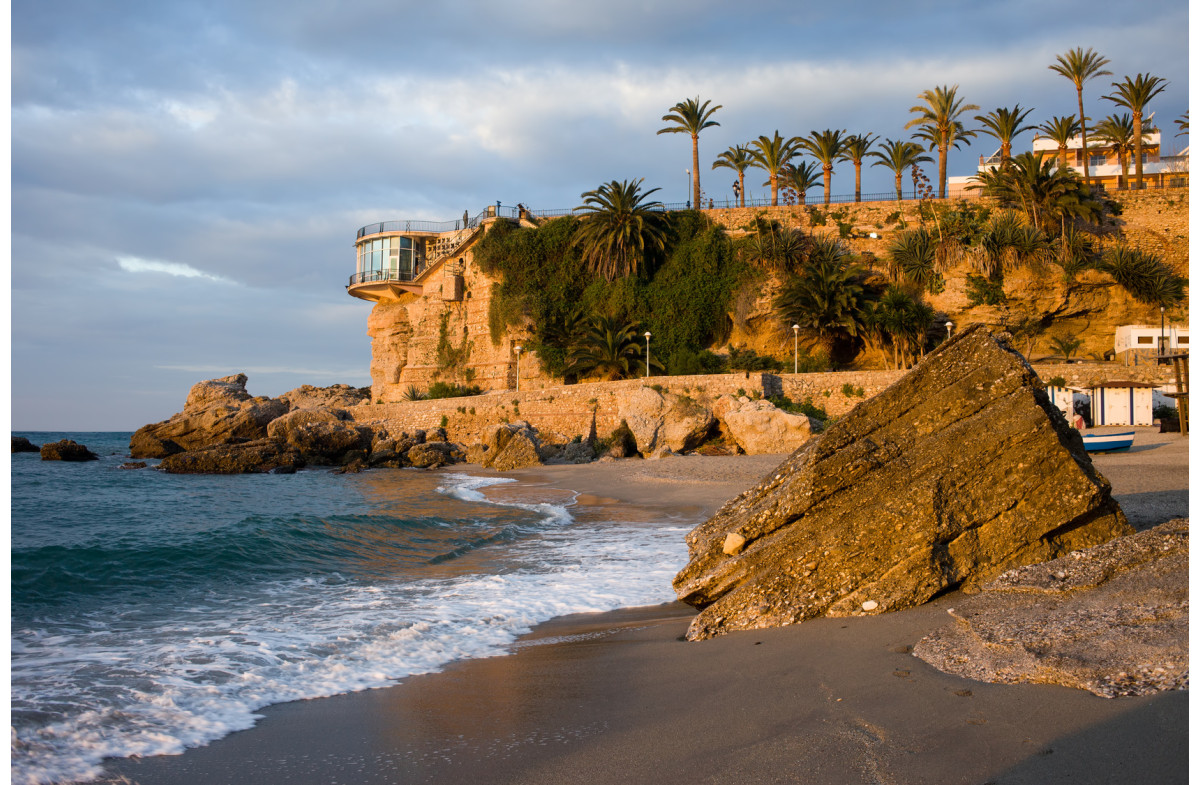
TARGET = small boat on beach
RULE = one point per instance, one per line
(1107, 442)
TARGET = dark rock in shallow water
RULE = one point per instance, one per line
(958, 471)
(22, 444)
(1112, 619)
(67, 450)
(133, 465)
(263, 455)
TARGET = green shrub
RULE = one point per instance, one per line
(982, 290)
(451, 390)
(805, 407)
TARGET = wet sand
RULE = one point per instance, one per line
(620, 698)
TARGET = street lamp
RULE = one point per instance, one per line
(795, 348)
(519, 349)
(949, 330)
(1162, 333)
(647, 334)
(688, 189)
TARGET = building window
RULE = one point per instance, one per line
(1147, 340)
(1096, 159)
(1182, 339)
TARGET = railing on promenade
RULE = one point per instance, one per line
(374, 276)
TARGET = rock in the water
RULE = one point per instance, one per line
(67, 450)
(22, 444)
(760, 428)
(1112, 619)
(320, 437)
(430, 455)
(958, 471)
(133, 465)
(262, 455)
(217, 411)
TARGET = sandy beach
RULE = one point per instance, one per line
(620, 698)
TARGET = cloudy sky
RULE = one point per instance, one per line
(188, 177)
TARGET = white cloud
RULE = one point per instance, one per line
(134, 264)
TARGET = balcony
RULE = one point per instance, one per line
(376, 285)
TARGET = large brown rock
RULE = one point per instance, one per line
(217, 411)
(958, 471)
(337, 396)
(1112, 619)
(659, 419)
(67, 450)
(760, 428)
(262, 455)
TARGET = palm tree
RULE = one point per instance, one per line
(1046, 194)
(1143, 275)
(1116, 131)
(691, 117)
(1079, 67)
(610, 350)
(826, 299)
(1182, 122)
(1007, 243)
(775, 248)
(856, 149)
(940, 126)
(1134, 94)
(738, 159)
(899, 156)
(1005, 124)
(826, 146)
(772, 155)
(914, 255)
(902, 319)
(798, 179)
(1066, 345)
(1060, 130)
(618, 227)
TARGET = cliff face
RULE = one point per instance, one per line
(443, 334)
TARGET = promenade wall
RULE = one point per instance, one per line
(561, 413)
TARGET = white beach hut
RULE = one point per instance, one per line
(1063, 399)
(1122, 403)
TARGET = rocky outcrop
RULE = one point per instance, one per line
(659, 419)
(760, 428)
(217, 411)
(1112, 619)
(431, 455)
(67, 450)
(253, 457)
(337, 396)
(22, 444)
(960, 470)
(508, 446)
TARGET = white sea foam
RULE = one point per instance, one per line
(124, 684)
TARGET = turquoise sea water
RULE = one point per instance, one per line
(155, 612)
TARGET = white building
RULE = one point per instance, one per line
(1136, 341)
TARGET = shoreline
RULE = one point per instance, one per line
(617, 697)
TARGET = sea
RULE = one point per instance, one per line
(154, 612)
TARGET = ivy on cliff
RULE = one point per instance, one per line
(681, 295)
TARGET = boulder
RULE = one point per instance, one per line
(760, 428)
(1112, 619)
(574, 452)
(217, 411)
(520, 450)
(622, 443)
(328, 443)
(262, 455)
(958, 471)
(337, 396)
(67, 450)
(22, 444)
(284, 425)
(656, 419)
(431, 455)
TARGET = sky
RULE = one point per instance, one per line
(187, 177)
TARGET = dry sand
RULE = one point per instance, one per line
(620, 698)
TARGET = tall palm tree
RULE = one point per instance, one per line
(618, 226)
(939, 123)
(856, 149)
(1117, 132)
(1005, 124)
(1046, 194)
(799, 178)
(738, 159)
(1060, 130)
(1079, 67)
(899, 156)
(610, 349)
(771, 154)
(1134, 94)
(826, 146)
(691, 117)
(1182, 122)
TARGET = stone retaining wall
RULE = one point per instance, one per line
(561, 413)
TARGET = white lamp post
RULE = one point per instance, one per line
(795, 348)
(949, 330)
(647, 334)
(519, 349)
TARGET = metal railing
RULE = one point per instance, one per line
(375, 276)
